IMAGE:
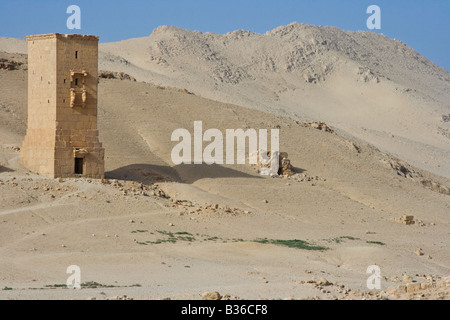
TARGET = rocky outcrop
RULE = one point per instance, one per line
(7, 64)
(115, 75)
(286, 168)
(266, 166)
(405, 170)
(316, 125)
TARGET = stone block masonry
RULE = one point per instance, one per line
(62, 136)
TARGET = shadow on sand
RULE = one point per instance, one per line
(5, 169)
(185, 173)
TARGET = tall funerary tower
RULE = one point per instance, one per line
(62, 136)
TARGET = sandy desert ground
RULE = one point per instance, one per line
(152, 230)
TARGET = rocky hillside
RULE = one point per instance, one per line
(362, 84)
(374, 88)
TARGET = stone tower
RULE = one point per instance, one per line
(62, 136)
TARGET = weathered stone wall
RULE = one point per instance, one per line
(38, 148)
(62, 106)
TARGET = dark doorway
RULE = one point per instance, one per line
(78, 165)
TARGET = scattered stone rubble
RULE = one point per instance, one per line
(286, 169)
(316, 125)
(7, 64)
(444, 131)
(403, 169)
(124, 297)
(211, 296)
(115, 75)
(436, 289)
(54, 189)
(41, 189)
(215, 209)
(408, 220)
(135, 188)
(428, 288)
(184, 90)
(214, 295)
(419, 252)
(37, 189)
(432, 288)
(435, 186)
(158, 60)
(406, 171)
(11, 147)
(303, 177)
(319, 126)
(266, 166)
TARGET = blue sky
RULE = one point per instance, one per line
(422, 24)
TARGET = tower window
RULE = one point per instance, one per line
(64, 80)
(78, 92)
(76, 54)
